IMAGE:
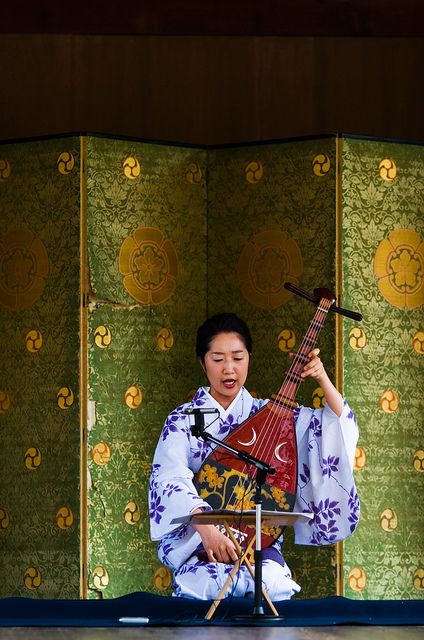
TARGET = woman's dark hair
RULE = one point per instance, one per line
(221, 323)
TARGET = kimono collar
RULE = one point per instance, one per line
(204, 398)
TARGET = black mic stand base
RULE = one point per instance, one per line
(257, 617)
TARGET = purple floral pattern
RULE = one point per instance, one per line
(156, 508)
(324, 521)
(306, 475)
(330, 465)
(354, 507)
(171, 424)
(170, 489)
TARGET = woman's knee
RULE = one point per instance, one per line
(278, 581)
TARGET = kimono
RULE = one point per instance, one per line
(325, 487)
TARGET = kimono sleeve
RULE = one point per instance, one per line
(172, 493)
(326, 486)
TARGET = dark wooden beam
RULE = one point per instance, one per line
(319, 18)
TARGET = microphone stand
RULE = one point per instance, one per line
(262, 470)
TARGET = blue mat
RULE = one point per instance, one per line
(153, 610)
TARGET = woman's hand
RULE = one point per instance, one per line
(315, 369)
(217, 546)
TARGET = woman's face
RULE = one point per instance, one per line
(226, 366)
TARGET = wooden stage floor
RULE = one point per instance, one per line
(339, 632)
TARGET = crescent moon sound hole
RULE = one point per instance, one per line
(277, 452)
(252, 441)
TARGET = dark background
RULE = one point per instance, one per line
(213, 71)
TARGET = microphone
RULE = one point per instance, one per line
(197, 429)
(199, 411)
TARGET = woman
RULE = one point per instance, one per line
(326, 441)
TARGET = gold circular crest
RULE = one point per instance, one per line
(399, 268)
(193, 174)
(148, 261)
(357, 338)
(100, 577)
(164, 339)
(32, 578)
(418, 460)
(32, 458)
(389, 520)
(102, 337)
(33, 341)
(418, 579)
(254, 171)
(418, 343)
(389, 401)
(65, 163)
(4, 401)
(387, 170)
(132, 513)
(64, 518)
(318, 398)
(101, 454)
(321, 164)
(265, 264)
(24, 265)
(65, 398)
(162, 578)
(4, 519)
(131, 167)
(286, 340)
(357, 579)
(133, 397)
(360, 459)
(5, 170)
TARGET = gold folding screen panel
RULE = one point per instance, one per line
(383, 264)
(40, 388)
(146, 254)
(112, 252)
(272, 218)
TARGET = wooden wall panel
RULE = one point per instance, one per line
(210, 90)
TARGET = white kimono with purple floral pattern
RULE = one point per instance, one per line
(325, 487)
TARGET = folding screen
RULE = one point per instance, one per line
(111, 254)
